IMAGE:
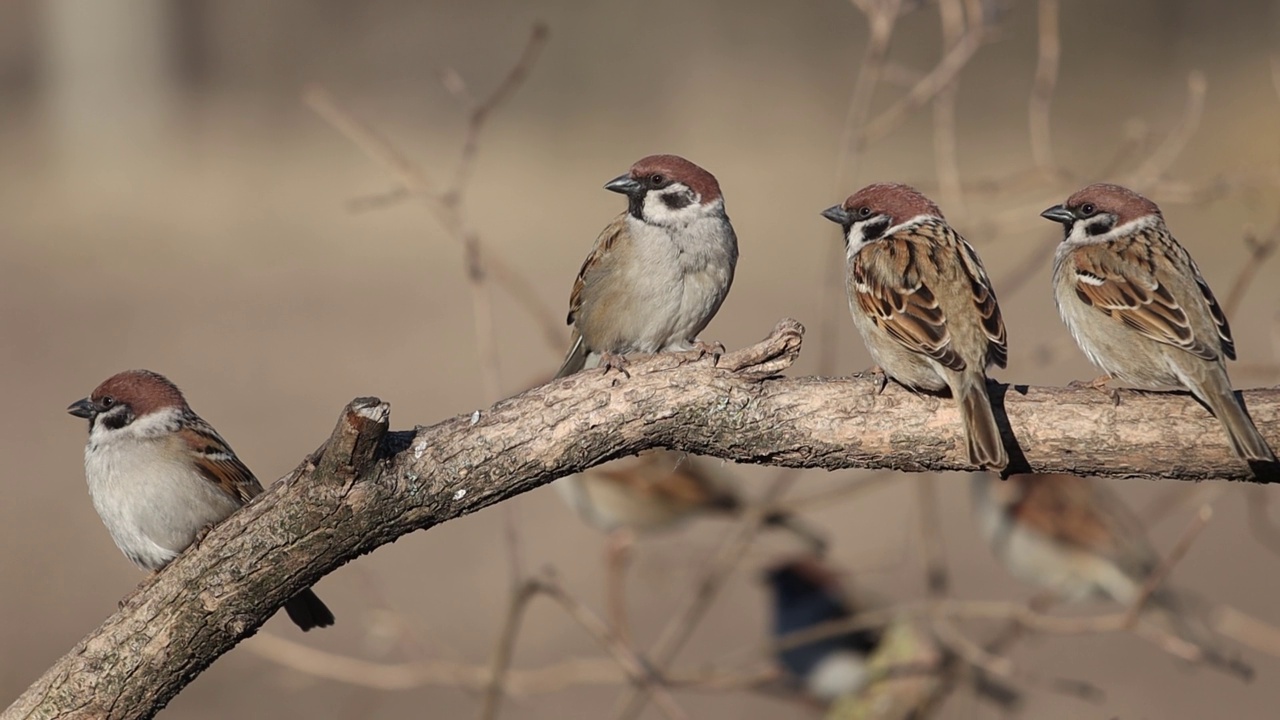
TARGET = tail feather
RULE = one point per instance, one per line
(307, 611)
(1245, 439)
(810, 535)
(1186, 616)
(986, 447)
(577, 358)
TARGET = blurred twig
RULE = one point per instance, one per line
(1047, 63)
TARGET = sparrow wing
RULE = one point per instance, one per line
(1123, 279)
(1215, 311)
(215, 460)
(1086, 516)
(984, 299)
(888, 285)
(594, 265)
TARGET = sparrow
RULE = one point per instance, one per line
(660, 489)
(1075, 538)
(1137, 306)
(659, 272)
(160, 476)
(923, 304)
(806, 593)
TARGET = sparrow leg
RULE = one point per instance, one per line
(1100, 384)
(617, 561)
(715, 350)
(614, 361)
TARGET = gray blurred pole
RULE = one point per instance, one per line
(109, 83)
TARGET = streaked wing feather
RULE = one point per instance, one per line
(1129, 292)
(607, 238)
(902, 305)
(216, 461)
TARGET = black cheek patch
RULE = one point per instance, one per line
(116, 420)
(1099, 227)
(875, 228)
(677, 201)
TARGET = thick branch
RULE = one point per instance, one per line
(364, 490)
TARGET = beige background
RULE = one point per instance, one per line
(167, 202)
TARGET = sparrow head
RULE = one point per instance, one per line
(1093, 212)
(867, 214)
(128, 396)
(668, 190)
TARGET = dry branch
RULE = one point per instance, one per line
(366, 487)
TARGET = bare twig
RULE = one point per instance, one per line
(1155, 167)
(1038, 110)
(1155, 579)
(931, 544)
(500, 660)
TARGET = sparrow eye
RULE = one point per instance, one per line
(657, 180)
(107, 401)
(864, 212)
(1088, 209)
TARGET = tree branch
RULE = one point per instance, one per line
(367, 487)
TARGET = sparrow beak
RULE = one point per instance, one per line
(624, 184)
(838, 215)
(1059, 214)
(83, 409)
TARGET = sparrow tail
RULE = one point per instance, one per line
(577, 358)
(986, 448)
(1185, 616)
(307, 611)
(810, 535)
(1245, 438)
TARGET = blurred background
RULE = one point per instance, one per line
(168, 201)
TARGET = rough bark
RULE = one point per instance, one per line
(366, 487)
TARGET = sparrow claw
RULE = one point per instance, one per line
(614, 361)
(201, 534)
(1100, 384)
(881, 377)
(715, 350)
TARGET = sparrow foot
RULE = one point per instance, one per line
(201, 534)
(880, 376)
(1100, 384)
(703, 349)
(614, 361)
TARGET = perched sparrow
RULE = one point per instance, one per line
(659, 489)
(160, 476)
(1136, 304)
(923, 304)
(658, 272)
(805, 594)
(1078, 540)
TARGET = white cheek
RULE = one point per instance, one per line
(1079, 234)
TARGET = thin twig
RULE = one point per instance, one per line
(932, 547)
(945, 145)
(1155, 167)
(1155, 579)
(1046, 81)
(504, 650)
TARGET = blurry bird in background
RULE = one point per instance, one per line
(658, 490)
(1075, 538)
(807, 593)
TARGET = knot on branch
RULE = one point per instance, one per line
(769, 356)
(353, 445)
